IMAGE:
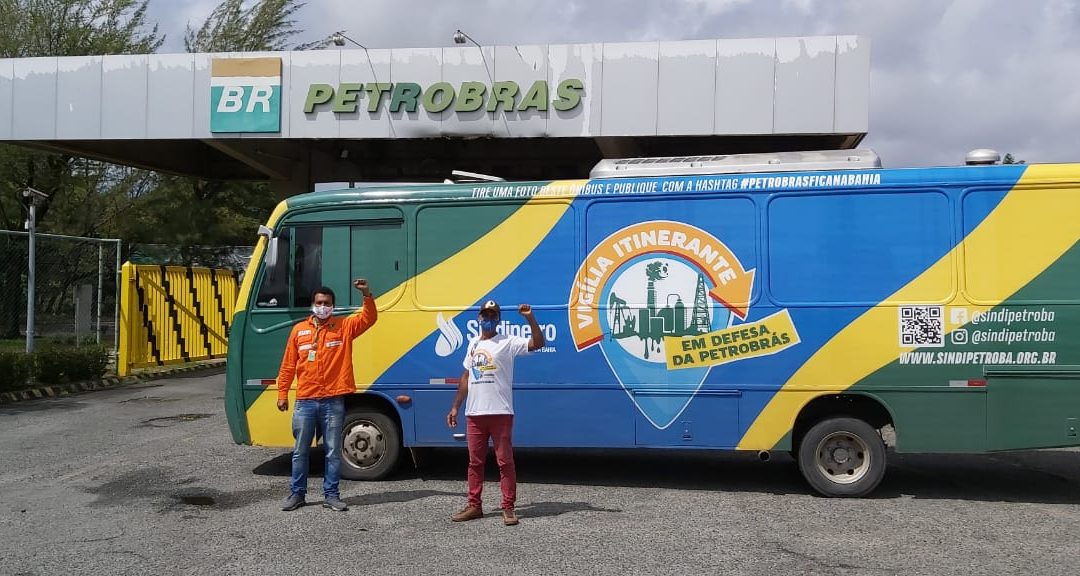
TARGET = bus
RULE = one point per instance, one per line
(812, 303)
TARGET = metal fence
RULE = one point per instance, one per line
(73, 291)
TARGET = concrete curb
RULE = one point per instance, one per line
(107, 382)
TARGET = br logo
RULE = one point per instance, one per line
(650, 285)
(245, 95)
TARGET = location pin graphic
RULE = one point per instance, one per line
(648, 284)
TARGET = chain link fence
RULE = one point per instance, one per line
(74, 291)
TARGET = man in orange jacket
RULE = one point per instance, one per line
(319, 356)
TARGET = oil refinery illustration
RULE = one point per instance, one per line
(652, 323)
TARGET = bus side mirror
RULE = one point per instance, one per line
(271, 254)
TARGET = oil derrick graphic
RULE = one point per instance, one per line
(700, 321)
(623, 322)
(653, 323)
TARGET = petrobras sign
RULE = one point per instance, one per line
(445, 97)
(245, 95)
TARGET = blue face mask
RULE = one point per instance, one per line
(488, 324)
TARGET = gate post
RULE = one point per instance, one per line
(127, 315)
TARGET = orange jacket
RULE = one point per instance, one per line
(329, 372)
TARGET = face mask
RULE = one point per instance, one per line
(322, 312)
(488, 324)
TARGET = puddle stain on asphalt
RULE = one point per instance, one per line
(173, 493)
(149, 399)
(166, 421)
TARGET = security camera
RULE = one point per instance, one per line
(338, 39)
(34, 194)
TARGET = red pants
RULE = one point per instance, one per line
(499, 428)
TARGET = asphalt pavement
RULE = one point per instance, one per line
(146, 480)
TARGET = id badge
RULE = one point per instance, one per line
(311, 356)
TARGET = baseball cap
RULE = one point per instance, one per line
(491, 305)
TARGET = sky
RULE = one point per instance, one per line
(947, 76)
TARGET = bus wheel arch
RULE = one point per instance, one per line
(838, 443)
(371, 446)
(854, 405)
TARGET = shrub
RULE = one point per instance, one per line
(56, 364)
(15, 369)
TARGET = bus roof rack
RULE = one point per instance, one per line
(861, 159)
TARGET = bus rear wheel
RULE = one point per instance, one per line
(371, 445)
(842, 457)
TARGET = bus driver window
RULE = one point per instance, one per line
(274, 289)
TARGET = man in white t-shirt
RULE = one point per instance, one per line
(489, 413)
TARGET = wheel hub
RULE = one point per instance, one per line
(364, 444)
(843, 457)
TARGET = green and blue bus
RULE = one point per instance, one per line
(810, 303)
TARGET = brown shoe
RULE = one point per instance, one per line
(509, 517)
(468, 513)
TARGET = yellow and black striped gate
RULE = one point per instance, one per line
(173, 314)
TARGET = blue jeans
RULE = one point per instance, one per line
(327, 415)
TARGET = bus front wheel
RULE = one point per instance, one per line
(842, 457)
(371, 445)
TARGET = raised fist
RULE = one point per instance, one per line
(362, 285)
(525, 310)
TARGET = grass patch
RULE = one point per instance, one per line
(12, 345)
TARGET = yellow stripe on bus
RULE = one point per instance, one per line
(501, 251)
(1025, 234)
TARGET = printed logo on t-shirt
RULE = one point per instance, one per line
(483, 366)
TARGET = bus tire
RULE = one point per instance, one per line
(370, 445)
(842, 457)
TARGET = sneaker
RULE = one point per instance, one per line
(509, 517)
(293, 502)
(335, 503)
(468, 513)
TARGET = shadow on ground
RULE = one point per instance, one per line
(1050, 476)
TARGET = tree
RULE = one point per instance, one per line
(265, 25)
(219, 215)
(75, 28)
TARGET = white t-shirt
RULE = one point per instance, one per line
(491, 373)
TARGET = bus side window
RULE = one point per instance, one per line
(307, 264)
(274, 290)
(378, 254)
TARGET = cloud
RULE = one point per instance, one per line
(946, 76)
(173, 18)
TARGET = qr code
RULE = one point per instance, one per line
(922, 326)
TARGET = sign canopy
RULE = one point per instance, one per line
(520, 112)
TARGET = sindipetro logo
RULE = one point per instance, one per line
(245, 95)
(660, 298)
(450, 337)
